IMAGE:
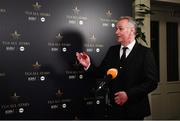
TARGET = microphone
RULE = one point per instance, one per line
(111, 74)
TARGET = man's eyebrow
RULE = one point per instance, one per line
(119, 26)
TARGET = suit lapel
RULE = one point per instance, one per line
(132, 54)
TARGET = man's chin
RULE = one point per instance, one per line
(119, 40)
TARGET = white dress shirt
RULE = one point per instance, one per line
(130, 47)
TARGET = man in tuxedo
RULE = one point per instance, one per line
(137, 74)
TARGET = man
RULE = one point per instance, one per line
(137, 75)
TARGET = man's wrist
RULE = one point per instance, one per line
(86, 68)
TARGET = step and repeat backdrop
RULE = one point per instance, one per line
(40, 77)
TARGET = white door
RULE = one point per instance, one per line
(165, 100)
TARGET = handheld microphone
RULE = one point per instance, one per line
(111, 74)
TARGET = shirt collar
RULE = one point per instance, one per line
(130, 46)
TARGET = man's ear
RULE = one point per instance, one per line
(133, 30)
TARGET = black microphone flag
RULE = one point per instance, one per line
(111, 74)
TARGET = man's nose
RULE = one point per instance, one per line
(117, 31)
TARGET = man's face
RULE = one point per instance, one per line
(124, 31)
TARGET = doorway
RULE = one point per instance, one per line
(165, 41)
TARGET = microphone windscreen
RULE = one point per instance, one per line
(113, 72)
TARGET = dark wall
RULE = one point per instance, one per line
(39, 74)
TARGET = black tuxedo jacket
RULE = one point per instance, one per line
(137, 77)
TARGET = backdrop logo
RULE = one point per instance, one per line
(76, 65)
(59, 102)
(76, 10)
(15, 97)
(2, 74)
(59, 37)
(59, 93)
(36, 65)
(15, 35)
(2, 11)
(76, 18)
(15, 43)
(59, 45)
(93, 38)
(37, 6)
(16, 106)
(93, 45)
(36, 14)
(109, 13)
(37, 74)
(75, 72)
(108, 21)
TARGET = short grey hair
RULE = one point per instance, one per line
(130, 19)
